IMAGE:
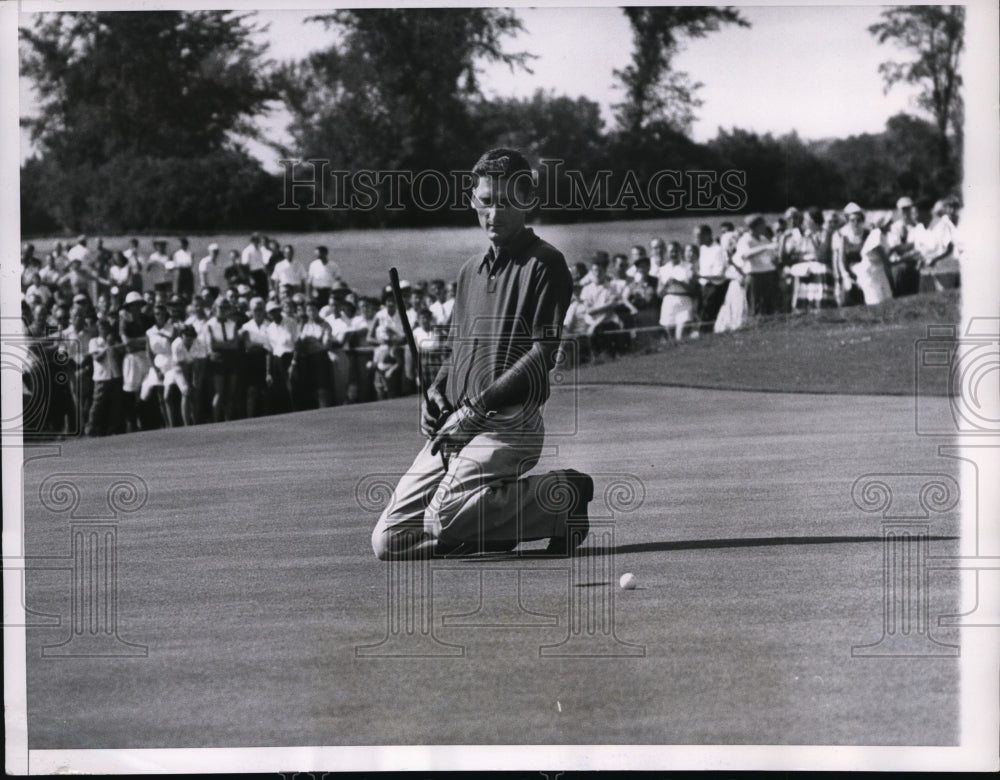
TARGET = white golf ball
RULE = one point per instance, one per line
(627, 581)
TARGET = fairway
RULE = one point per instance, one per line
(248, 577)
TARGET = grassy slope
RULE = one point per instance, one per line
(863, 349)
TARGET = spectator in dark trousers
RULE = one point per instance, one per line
(105, 410)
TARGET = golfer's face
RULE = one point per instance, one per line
(501, 210)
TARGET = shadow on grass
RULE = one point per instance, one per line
(711, 544)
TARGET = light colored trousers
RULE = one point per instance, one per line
(481, 496)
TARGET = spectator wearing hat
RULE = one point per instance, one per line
(253, 260)
(905, 240)
(156, 275)
(311, 347)
(870, 274)
(321, 276)
(223, 360)
(179, 382)
(159, 338)
(846, 244)
(132, 327)
(256, 346)
(183, 270)
(281, 334)
(211, 272)
(677, 288)
(757, 256)
(105, 351)
(942, 234)
(289, 275)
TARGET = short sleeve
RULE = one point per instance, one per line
(553, 290)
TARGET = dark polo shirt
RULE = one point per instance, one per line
(503, 304)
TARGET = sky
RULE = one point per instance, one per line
(808, 69)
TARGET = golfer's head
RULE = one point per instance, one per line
(502, 193)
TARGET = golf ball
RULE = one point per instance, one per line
(627, 581)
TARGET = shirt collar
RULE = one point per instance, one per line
(493, 260)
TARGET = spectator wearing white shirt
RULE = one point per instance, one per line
(712, 262)
(281, 332)
(678, 288)
(198, 319)
(105, 409)
(323, 273)
(756, 255)
(252, 258)
(870, 274)
(575, 326)
(905, 240)
(185, 350)
(601, 300)
(79, 251)
(338, 353)
(289, 275)
(159, 337)
(256, 345)
(435, 292)
(156, 275)
(211, 272)
(183, 271)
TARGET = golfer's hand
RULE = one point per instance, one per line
(456, 431)
(434, 412)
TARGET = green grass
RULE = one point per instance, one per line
(856, 350)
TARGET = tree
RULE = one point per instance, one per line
(163, 83)
(139, 117)
(653, 90)
(393, 92)
(935, 36)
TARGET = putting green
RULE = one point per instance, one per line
(248, 578)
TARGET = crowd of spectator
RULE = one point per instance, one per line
(147, 341)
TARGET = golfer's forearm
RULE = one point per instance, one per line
(519, 384)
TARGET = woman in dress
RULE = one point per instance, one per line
(159, 338)
(871, 272)
(813, 284)
(846, 246)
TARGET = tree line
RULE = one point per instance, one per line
(144, 118)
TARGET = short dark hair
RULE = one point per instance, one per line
(506, 162)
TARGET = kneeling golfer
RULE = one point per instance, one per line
(465, 493)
